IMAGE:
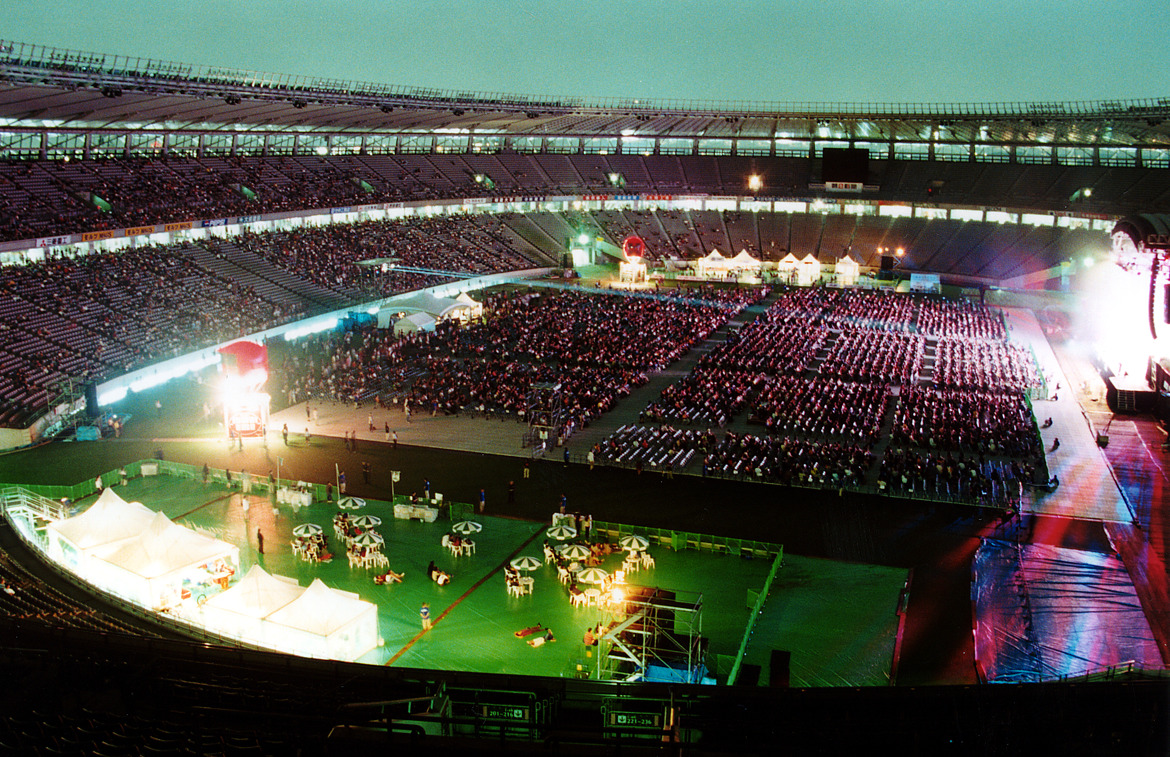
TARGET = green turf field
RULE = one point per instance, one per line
(837, 619)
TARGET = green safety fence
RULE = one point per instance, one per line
(757, 608)
(260, 484)
(680, 540)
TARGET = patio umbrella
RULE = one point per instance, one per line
(592, 576)
(306, 530)
(560, 533)
(368, 539)
(575, 552)
(466, 527)
(366, 521)
(526, 563)
(634, 543)
(351, 503)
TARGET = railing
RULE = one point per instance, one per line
(21, 54)
(14, 497)
(680, 540)
(757, 608)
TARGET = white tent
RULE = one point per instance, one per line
(787, 266)
(325, 623)
(809, 271)
(425, 302)
(239, 612)
(414, 322)
(152, 568)
(713, 264)
(110, 519)
(744, 262)
(475, 309)
(848, 270)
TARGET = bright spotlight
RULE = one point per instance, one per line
(583, 239)
(322, 150)
(1089, 261)
(755, 182)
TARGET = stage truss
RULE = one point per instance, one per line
(652, 634)
(545, 411)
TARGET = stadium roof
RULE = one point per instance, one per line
(43, 87)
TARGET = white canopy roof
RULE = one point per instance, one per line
(162, 549)
(810, 260)
(788, 261)
(744, 260)
(425, 302)
(320, 610)
(110, 519)
(257, 595)
(414, 322)
(847, 263)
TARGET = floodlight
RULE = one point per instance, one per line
(755, 182)
(583, 238)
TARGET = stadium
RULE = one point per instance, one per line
(857, 410)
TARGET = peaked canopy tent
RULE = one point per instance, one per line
(239, 612)
(109, 520)
(324, 623)
(153, 568)
(414, 322)
(808, 270)
(712, 264)
(473, 309)
(848, 270)
(422, 302)
(787, 267)
(744, 262)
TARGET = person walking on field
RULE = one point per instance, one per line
(424, 614)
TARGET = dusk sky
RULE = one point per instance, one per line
(780, 51)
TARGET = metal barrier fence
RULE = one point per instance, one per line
(680, 540)
(757, 608)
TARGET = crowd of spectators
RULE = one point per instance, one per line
(790, 462)
(706, 395)
(329, 255)
(959, 318)
(93, 316)
(43, 198)
(991, 423)
(874, 355)
(947, 476)
(772, 348)
(868, 310)
(663, 447)
(821, 408)
(969, 363)
(597, 346)
(820, 368)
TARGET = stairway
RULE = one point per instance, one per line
(271, 283)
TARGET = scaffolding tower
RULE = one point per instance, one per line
(545, 411)
(653, 634)
(67, 401)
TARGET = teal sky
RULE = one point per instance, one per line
(784, 51)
